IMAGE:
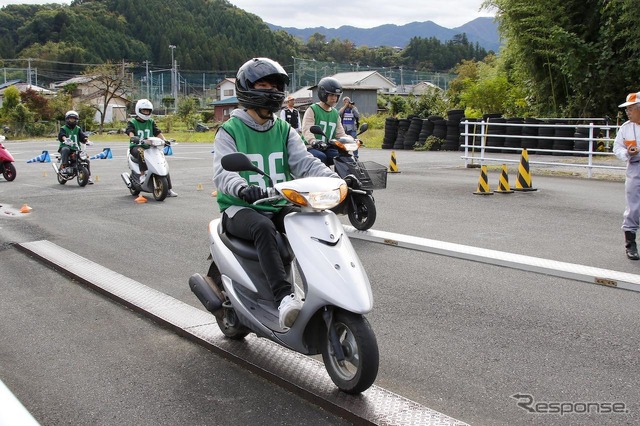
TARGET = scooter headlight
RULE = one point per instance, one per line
(319, 200)
(82, 155)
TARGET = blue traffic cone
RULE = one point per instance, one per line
(99, 156)
(108, 151)
(42, 158)
(168, 150)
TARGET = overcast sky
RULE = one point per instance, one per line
(361, 14)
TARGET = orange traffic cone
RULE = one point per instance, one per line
(25, 209)
(140, 199)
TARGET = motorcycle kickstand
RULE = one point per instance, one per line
(327, 315)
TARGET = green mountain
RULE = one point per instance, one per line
(208, 34)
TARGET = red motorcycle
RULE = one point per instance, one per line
(6, 162)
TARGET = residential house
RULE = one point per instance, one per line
(89, 90)
(23, 87)
(226, 89)
(222, 109)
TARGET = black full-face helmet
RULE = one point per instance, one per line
(261, 69)
(327, 86)
(71, 119)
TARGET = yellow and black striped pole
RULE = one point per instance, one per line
(503, 184)
(523, 180)
(393, 165)
(483, 183)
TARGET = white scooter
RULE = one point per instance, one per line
(157, 181)
(335, 286)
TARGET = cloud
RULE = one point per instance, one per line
(334, 13)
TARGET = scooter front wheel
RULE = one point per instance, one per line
(160, 187)
(9, 171)
(357, 372)
(362, 211)
(83, 176)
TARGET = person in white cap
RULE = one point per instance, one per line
(291, 115)
(625, 147)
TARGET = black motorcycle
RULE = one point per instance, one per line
(359, 204)
(78, 168)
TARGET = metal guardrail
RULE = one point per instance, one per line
(480, 134)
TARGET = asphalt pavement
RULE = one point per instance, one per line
(459, 337)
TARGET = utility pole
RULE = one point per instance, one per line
(146, 63)
(174, 79)
(29, 72)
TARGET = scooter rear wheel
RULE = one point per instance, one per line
(61, 180)
(9, 171)
(364, 215)
(230, 325)
(359, 369)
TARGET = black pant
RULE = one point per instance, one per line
(138, 154)
(250, 225)
(64, 155)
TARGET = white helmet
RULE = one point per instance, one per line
(144, 104)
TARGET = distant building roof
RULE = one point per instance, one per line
(362, 78)
(23, 87)
(228, 101)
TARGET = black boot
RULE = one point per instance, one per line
(630, 245)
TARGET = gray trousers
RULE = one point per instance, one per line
(632, 195)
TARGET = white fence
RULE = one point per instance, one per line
(476, 134)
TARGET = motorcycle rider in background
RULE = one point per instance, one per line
(139, 128)
(324, 114)
(278, 150)
(70, 137)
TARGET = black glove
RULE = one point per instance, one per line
(252, 193)
(352, 182)
(135, 140)
(319, 145)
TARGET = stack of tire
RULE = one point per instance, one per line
(411, 136)
(530, 142)
(563, 144)
(545, 131)
(403, 126)
(452, 138)
(439, 130)
(581, 143)
(512, 141)
(425, 131)
(390, 132)
(498, 140)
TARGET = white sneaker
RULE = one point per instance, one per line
(171, 193)
(142, 178)
(289, 309)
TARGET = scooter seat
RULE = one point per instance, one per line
(247, 250)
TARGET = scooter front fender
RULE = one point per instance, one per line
(328, 262)
(156, 162)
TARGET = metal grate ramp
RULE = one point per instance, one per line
(304, 376)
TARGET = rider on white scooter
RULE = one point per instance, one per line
(277, 149)
(140, 128)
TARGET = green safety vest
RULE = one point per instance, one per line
(268, 151)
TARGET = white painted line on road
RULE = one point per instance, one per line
(304, 376)
(571, 271)
(13, 412)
